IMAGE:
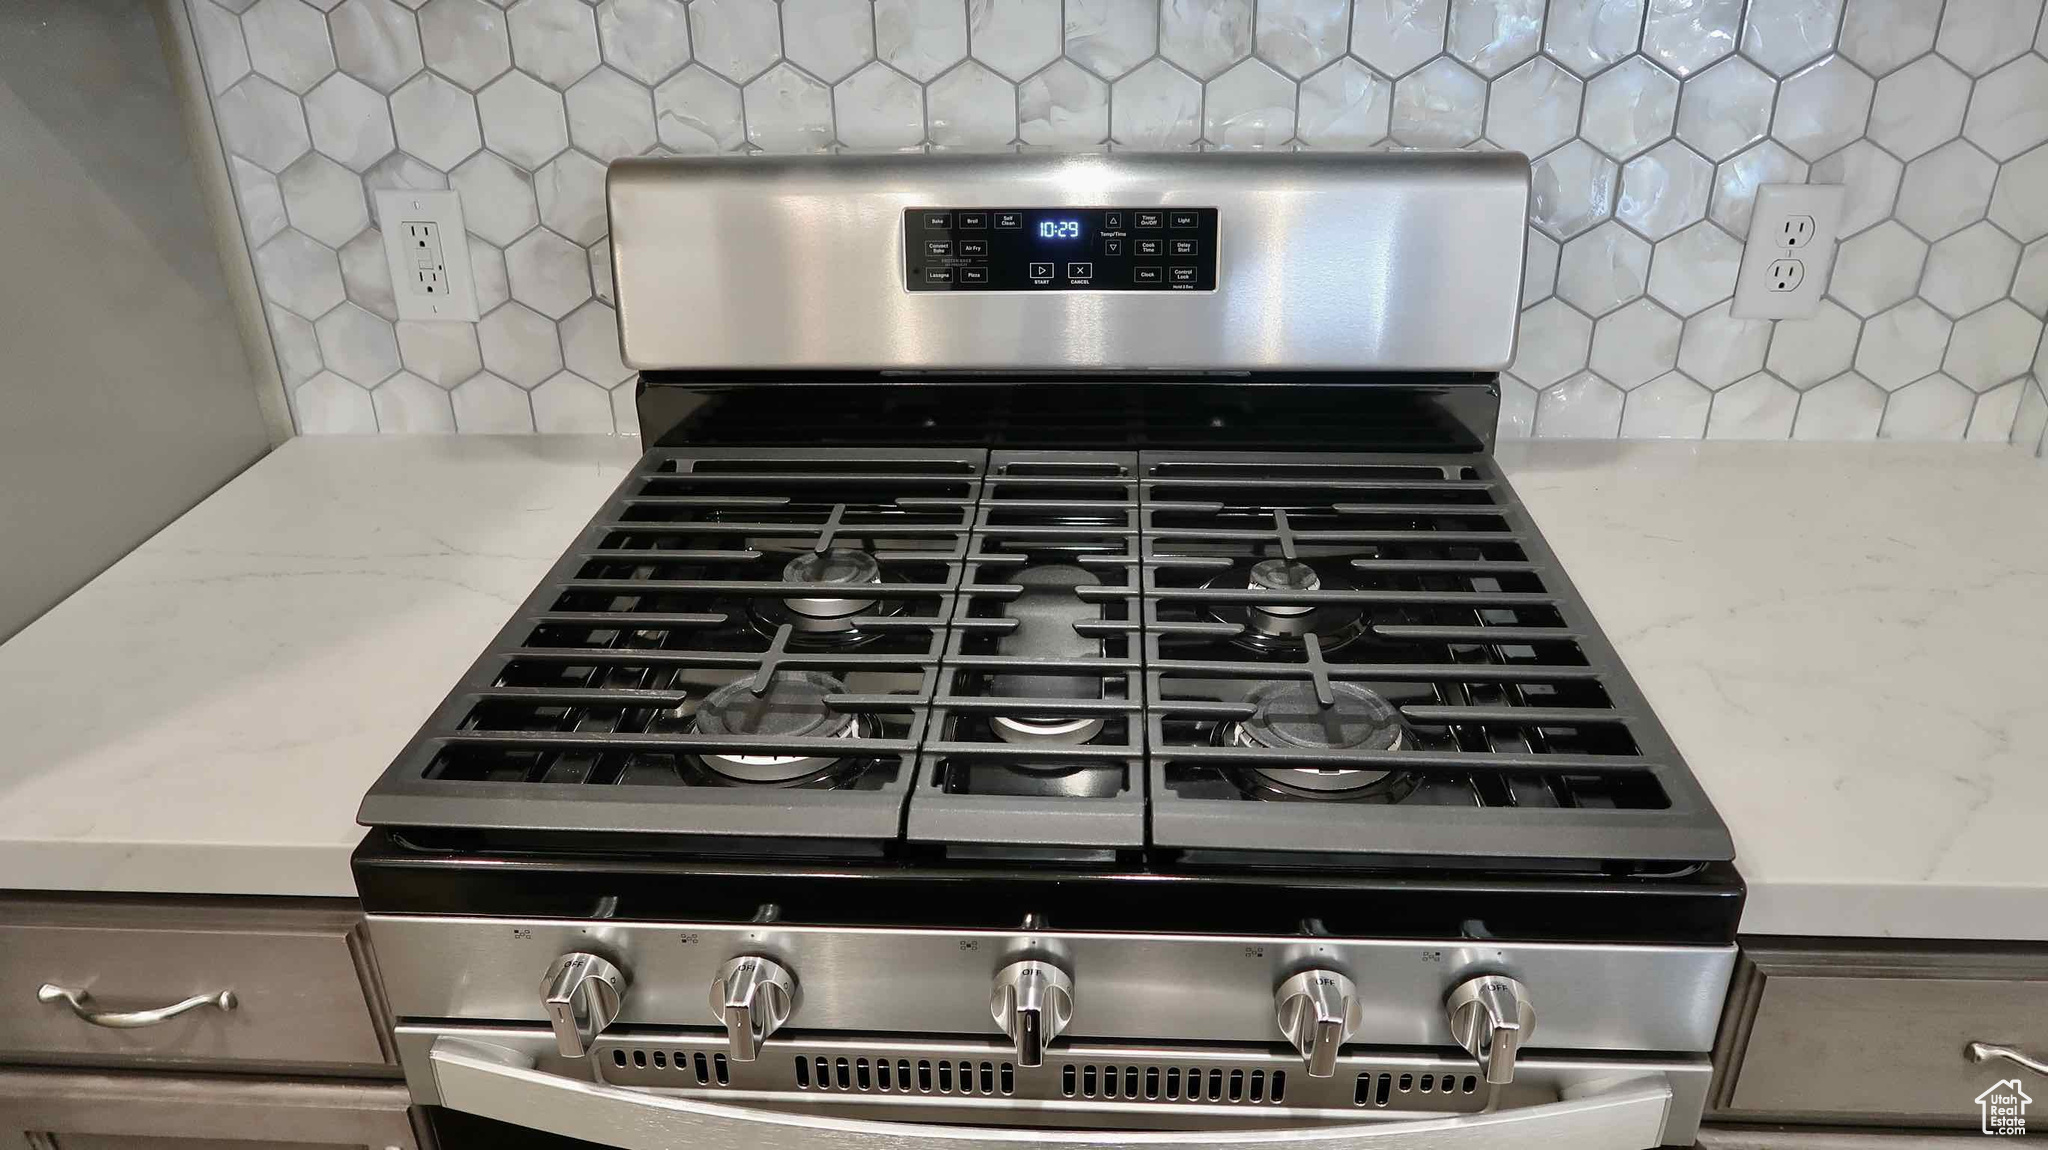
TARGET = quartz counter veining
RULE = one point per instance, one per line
(1846, 642)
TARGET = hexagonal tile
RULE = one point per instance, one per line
(1439, 105)
(1533, 108)
(1919, 107)
(1687, 35)
(830, 38)
(696, 112)
(436, 121)
(1018, 37)
(487, 268)
(1346, 105)
(972, 107)
(2030, 283)
(1571, 190)
(1726, 108)
(1936, 409)
(400, 172)
(1494, 35)
(2019, 200)
(922, 38)
(1582, 407)
(1902, 344)
(349, 122)
(1880, 35)
(548, 273)
(1970, 269)
(570, 193)
(1736, 182)
(1250, 106)
(1589, 35)
(1870, 181)
(1785, 35)
(1668, 407)
(1394, 36)
(1603, 269)
(880, 108)
(1635, 344)
(441, 353)
(1979, 35)
(1553, 344)
(465, 41)
(224, 51)
(324, 199)
(1295, 36)
(600, 254)
(1517, 409)
(497, 198)
(330, 405)
(610, 116)
(287, 42)
(1063, 105)
(555, 40)
(1806, 351)
(357, 345)
(2031, 419)
(1847, 407)
(646, 39)
(738, 39)
(263, 123)
(788, 111)
(487, 405)
(298, 349)
(1992, 346)
(1539, 266)
(1946, 189)
(2009, 113)
(1877, 269)
(1759, 407)
(1995, 413)
(298, 273)
(1695, 268)
(520, 345)
(1718, 349)
(407, 404)
(1629, 107)
(523, 119)
(1664, 189)
(377, 42)
(262, 205)
(568, 404)
(365, 276)
(1823, 108)
(1156, 106)
(590, 345)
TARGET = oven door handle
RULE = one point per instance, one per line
(1627, 1112)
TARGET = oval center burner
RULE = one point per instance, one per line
(1289, 718)
(793, 706)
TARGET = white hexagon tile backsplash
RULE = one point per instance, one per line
(1651, 123)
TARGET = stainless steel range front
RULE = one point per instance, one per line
(1066, 671)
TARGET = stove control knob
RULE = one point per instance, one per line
(1033, 1001)
(1492, 1018)
(1319, 1011)
(582, 994)
(753, 997)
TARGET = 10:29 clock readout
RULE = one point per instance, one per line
(1059, 229)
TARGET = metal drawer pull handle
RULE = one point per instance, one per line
(1985, 1052)
(81, 1005)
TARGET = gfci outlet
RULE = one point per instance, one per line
(1790, 253)
(429, 255)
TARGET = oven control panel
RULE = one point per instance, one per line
(1059, 249)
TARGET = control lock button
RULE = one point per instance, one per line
(1181, 275)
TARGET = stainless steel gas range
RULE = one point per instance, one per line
(1067, 671)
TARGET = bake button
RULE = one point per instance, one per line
(1114, 221)
(1145, 275)
(1182, 275)
(1009, 219)
(1083, 271)
(973, 219)
(974, 275)
(1112, 247)
(938, 247)
(938, 275)
(1183, 220)
(1149, 247)
(1148, 219)
(973, 247)
(1041, 271)
(938, 221)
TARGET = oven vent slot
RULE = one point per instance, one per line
(705, 1071)
(882, 1075)
(1173, 1083)
(1379, 1089)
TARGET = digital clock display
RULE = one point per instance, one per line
(1059, 229)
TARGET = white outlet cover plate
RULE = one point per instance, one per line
(1776, 203)
(395, 208)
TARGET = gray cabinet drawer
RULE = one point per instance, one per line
(76, 1110)
(1877, 1035)
(305, 995)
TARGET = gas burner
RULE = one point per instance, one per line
(1047, 615)
(827, 620)
(1279, 627)
(793, 706)
(1288, 717)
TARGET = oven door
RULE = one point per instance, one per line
(507, 1076)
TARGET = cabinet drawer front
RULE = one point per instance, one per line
(296, 975)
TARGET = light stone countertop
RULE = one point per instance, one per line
(1846, 642)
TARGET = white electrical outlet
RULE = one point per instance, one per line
(1791, 251)
(429, 255)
